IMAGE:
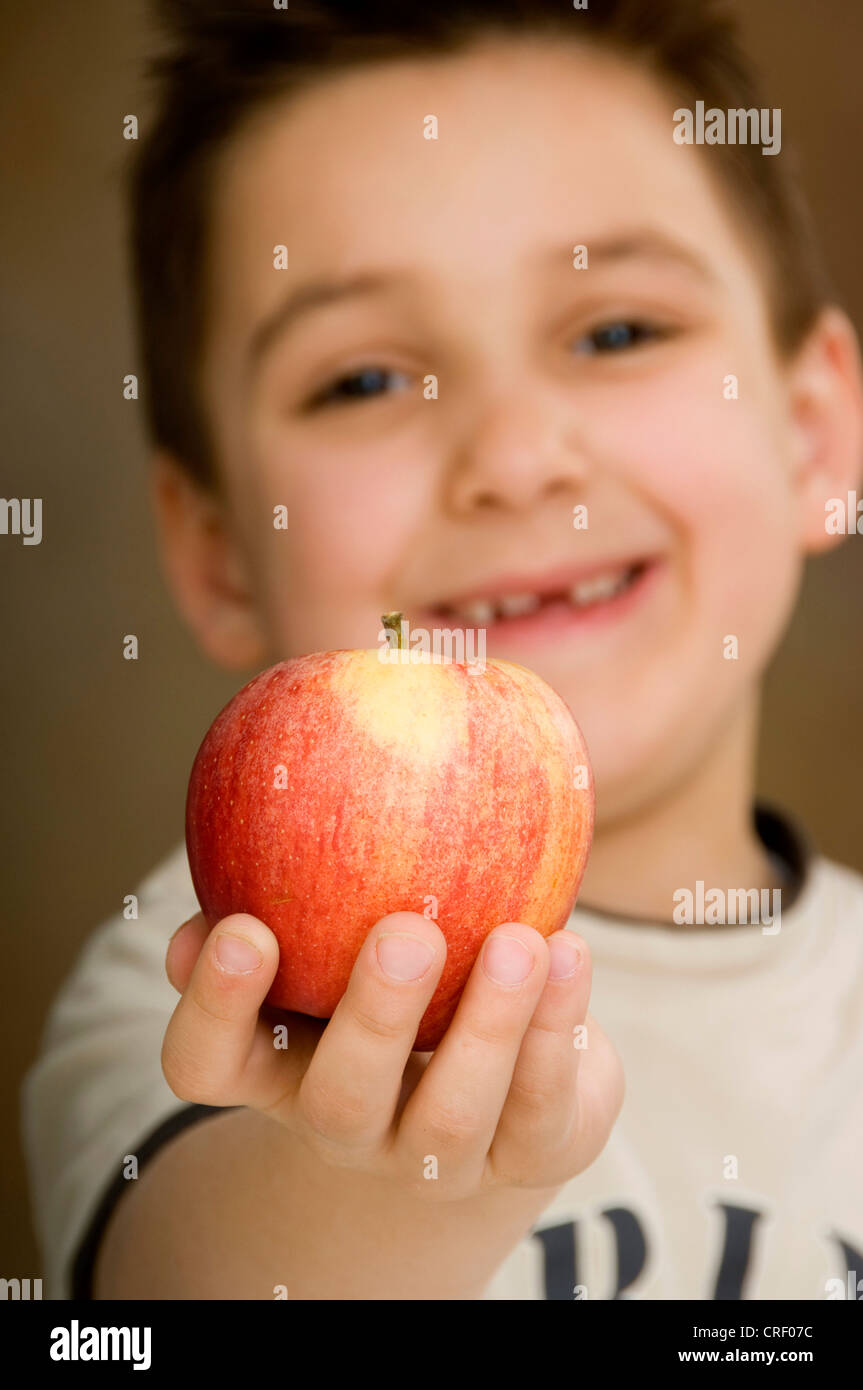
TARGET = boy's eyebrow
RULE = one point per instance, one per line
(647, 244)
(630, 245)
(315, 295)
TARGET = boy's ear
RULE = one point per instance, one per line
(826, 401)
(204, 567)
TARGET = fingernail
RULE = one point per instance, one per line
(236, 955)
(403, 957)
(565, 958)
(506, 960)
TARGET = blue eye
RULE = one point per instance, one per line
(363, 385)
(617, 337)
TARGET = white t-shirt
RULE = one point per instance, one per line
(735, 1169)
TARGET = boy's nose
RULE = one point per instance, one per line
(514, 461)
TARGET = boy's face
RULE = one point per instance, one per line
(556, 387)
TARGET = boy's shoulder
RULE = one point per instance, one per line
(833, 901)
(123, 958)
(840, 880)
(821, 897)
(170, 881)
(95, 1092)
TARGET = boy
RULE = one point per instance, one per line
(514, 357)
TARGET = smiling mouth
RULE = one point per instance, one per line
(593, 592)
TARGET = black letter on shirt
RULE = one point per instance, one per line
(559, 1246)
(739, 1224)
(853, 1264)
(631, 1246)
(558, 1250)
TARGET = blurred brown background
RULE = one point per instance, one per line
(97, 749)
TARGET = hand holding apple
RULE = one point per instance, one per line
(337, 788)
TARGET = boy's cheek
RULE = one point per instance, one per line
(330, 522)
(715, 467)
(719, 479)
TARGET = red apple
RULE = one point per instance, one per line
(337, 788)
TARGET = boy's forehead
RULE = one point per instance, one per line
(533, 145)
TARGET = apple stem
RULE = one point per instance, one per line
(393, 623)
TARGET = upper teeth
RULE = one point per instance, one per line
(482, 611)
(601, 587)
(514, 605)
(479, 611)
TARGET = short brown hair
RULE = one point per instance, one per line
(227, 60)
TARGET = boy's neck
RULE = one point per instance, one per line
(703, 829)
